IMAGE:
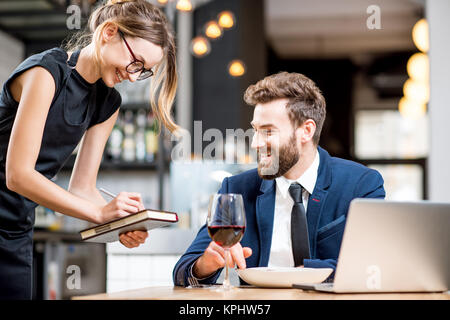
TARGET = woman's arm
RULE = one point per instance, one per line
(84, 175)
(36, 89)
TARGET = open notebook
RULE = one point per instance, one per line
(143, 220)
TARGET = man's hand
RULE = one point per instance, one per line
(214, 258)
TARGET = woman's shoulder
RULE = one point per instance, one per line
(54, 59)
(53, 55)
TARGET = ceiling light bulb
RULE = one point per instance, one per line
(420, 35)
(418, 67)
(411, 109)
(184, 5)
(236, 68)
(213, 30)
(226, 19)
(416, 90)
(200, 46)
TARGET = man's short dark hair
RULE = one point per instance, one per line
(305, 99)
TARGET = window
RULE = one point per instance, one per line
(397, 148)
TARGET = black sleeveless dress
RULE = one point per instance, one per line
(77, 105)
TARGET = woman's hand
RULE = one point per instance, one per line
(133, 239)
(124, 204)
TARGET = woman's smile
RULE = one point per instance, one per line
(119, 77)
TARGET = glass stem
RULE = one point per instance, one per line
(226, 280)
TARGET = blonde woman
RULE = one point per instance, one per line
(53, 99)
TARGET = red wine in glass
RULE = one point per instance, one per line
(226, 236)
(226, 225)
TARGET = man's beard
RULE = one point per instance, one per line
(282, 160)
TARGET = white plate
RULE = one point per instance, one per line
(283, 277)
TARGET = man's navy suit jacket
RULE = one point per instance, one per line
(338, 183)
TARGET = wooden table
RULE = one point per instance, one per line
(252, 293)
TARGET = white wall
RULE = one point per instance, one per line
(127, 271)
(437, 12)
(11, 54)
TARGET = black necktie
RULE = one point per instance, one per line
(299, 226)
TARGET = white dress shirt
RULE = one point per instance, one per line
(281, 248)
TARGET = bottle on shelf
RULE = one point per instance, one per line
(129, 143)
(141, 121)
(151, 138)
(114, 148)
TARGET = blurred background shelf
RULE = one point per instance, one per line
(46, 234)
(118, 165)
(135, 106)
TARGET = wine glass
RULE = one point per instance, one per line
(226, 225)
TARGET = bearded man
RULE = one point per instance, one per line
(297, 200)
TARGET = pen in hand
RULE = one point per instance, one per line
(130, 239)
(112, 195)
(108, 193)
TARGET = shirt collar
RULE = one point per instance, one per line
(307, 180)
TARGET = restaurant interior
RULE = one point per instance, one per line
(382, 66)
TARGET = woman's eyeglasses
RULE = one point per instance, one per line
(136, 65)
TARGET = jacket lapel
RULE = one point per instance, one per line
(265, 206)
(317, 199)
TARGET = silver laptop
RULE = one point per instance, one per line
(393, 247)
